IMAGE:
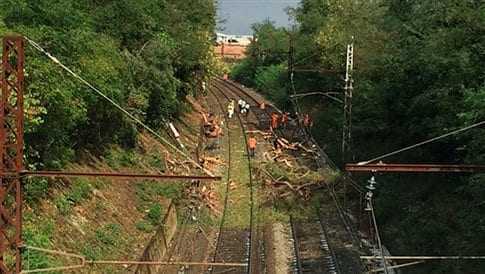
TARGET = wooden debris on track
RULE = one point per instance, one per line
(211, 163)
(203, 195)
(266, 135)
(285, 177)
(284, 181)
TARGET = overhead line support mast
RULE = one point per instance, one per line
(348, 92)
(11, 153)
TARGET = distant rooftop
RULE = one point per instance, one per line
(243, 40)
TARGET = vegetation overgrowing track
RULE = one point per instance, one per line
(343, 234)
(334, 219)
(192, 241)
(233, 244)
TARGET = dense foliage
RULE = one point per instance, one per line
(419, 73)
(142, 53)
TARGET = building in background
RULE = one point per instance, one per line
(232, 46)
(243, 40)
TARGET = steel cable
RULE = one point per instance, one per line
(115, 104)
(454, 132)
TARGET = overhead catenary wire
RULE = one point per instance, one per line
(356, 186)
(115, 104)
(326, 94)
(454, 132)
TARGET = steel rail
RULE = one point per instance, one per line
(296, 247)
(330, 247)
(233, 87)
(331, 189)
(319, 164)
(328, 161)
(228, 174)
(251, 186)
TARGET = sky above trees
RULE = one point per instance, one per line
(239, 15)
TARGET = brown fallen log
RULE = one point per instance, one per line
(286, 162)
(213, 160)
(260, 132)
(308, 185)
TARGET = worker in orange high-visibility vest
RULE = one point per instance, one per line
(252, 145)
(285, 118)
(307, 121)
(274, 120)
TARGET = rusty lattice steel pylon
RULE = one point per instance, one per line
(11, 153)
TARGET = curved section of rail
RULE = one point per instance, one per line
(320, 161)
(228, 174)
(249, 259)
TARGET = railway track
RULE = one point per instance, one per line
(335, 221)
(233, 244)
(262, 117)
(312, 254)
(192, 240)
(330, 234)
(256, 119)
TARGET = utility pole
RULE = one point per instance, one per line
(348, 90)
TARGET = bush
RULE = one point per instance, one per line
(155, 214)
(144, 226)
(38, 236)
(148, 192)
(270, 81)
(80, 190)
(244, 72)
(63, 205)
(109, 234)
(35, 189)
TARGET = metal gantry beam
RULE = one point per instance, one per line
(331, 95)
(415, 168)
(11, 153)
(118, 175)
(11, 156)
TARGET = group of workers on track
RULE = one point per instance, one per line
(282, 120)
(243, 108)
(213, 128)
